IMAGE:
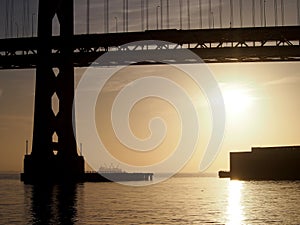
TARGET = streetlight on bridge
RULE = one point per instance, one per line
(32, 27)
(180, 13)
(17, 29)
(213, 19)
(116, 19)
(265, 17)
(157, 7)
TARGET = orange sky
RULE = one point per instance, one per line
(261, 102)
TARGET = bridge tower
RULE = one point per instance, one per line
(54, 159)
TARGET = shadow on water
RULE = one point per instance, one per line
(53, 204)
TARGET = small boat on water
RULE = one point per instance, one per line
(224, 174)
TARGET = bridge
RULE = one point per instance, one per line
(55, 56)
(216, 30)
(211, 45)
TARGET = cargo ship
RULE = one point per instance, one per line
(115, 174)
(55, 170)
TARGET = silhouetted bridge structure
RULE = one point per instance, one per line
(54, 156)
(259, 44)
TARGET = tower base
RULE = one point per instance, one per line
(53, 170)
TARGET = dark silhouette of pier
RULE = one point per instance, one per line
(265, 163)
(269, 163)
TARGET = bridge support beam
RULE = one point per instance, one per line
(54, 155)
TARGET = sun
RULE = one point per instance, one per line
(237, 99)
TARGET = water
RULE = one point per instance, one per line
(184, 200)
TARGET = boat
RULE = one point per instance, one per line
(115, 174)
(224, 174)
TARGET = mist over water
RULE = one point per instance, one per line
(181, 200)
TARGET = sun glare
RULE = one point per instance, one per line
(235, 209)
(237, 99)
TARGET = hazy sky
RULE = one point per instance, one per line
(261, 99)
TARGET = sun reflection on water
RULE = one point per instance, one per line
(235, 209)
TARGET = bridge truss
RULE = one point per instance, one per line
(263, 44)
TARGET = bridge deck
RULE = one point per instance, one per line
(212, 45)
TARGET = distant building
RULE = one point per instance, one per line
(268, 163)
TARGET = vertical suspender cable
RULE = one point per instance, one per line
(180, 13)
(142, 15)
(88, 16)
(168, 15)
(126, 15)
(189, 15)
(200, 13)
(161, 14)
(253, 13)
(6, 19)
(282, 12)
(241, 13)
(298, 12)
(9, 19)
(12, 18)
(209, 14)
(231, 13)
(27, 11)
(107, 15)
(265, 16)
(275, 13)
(24, 17)
(261, 13)
(26, 21)
(126, 29)
(104, 19)
(157, 7)
(220, 13)
(147, 14)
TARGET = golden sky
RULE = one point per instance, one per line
(261, 101)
